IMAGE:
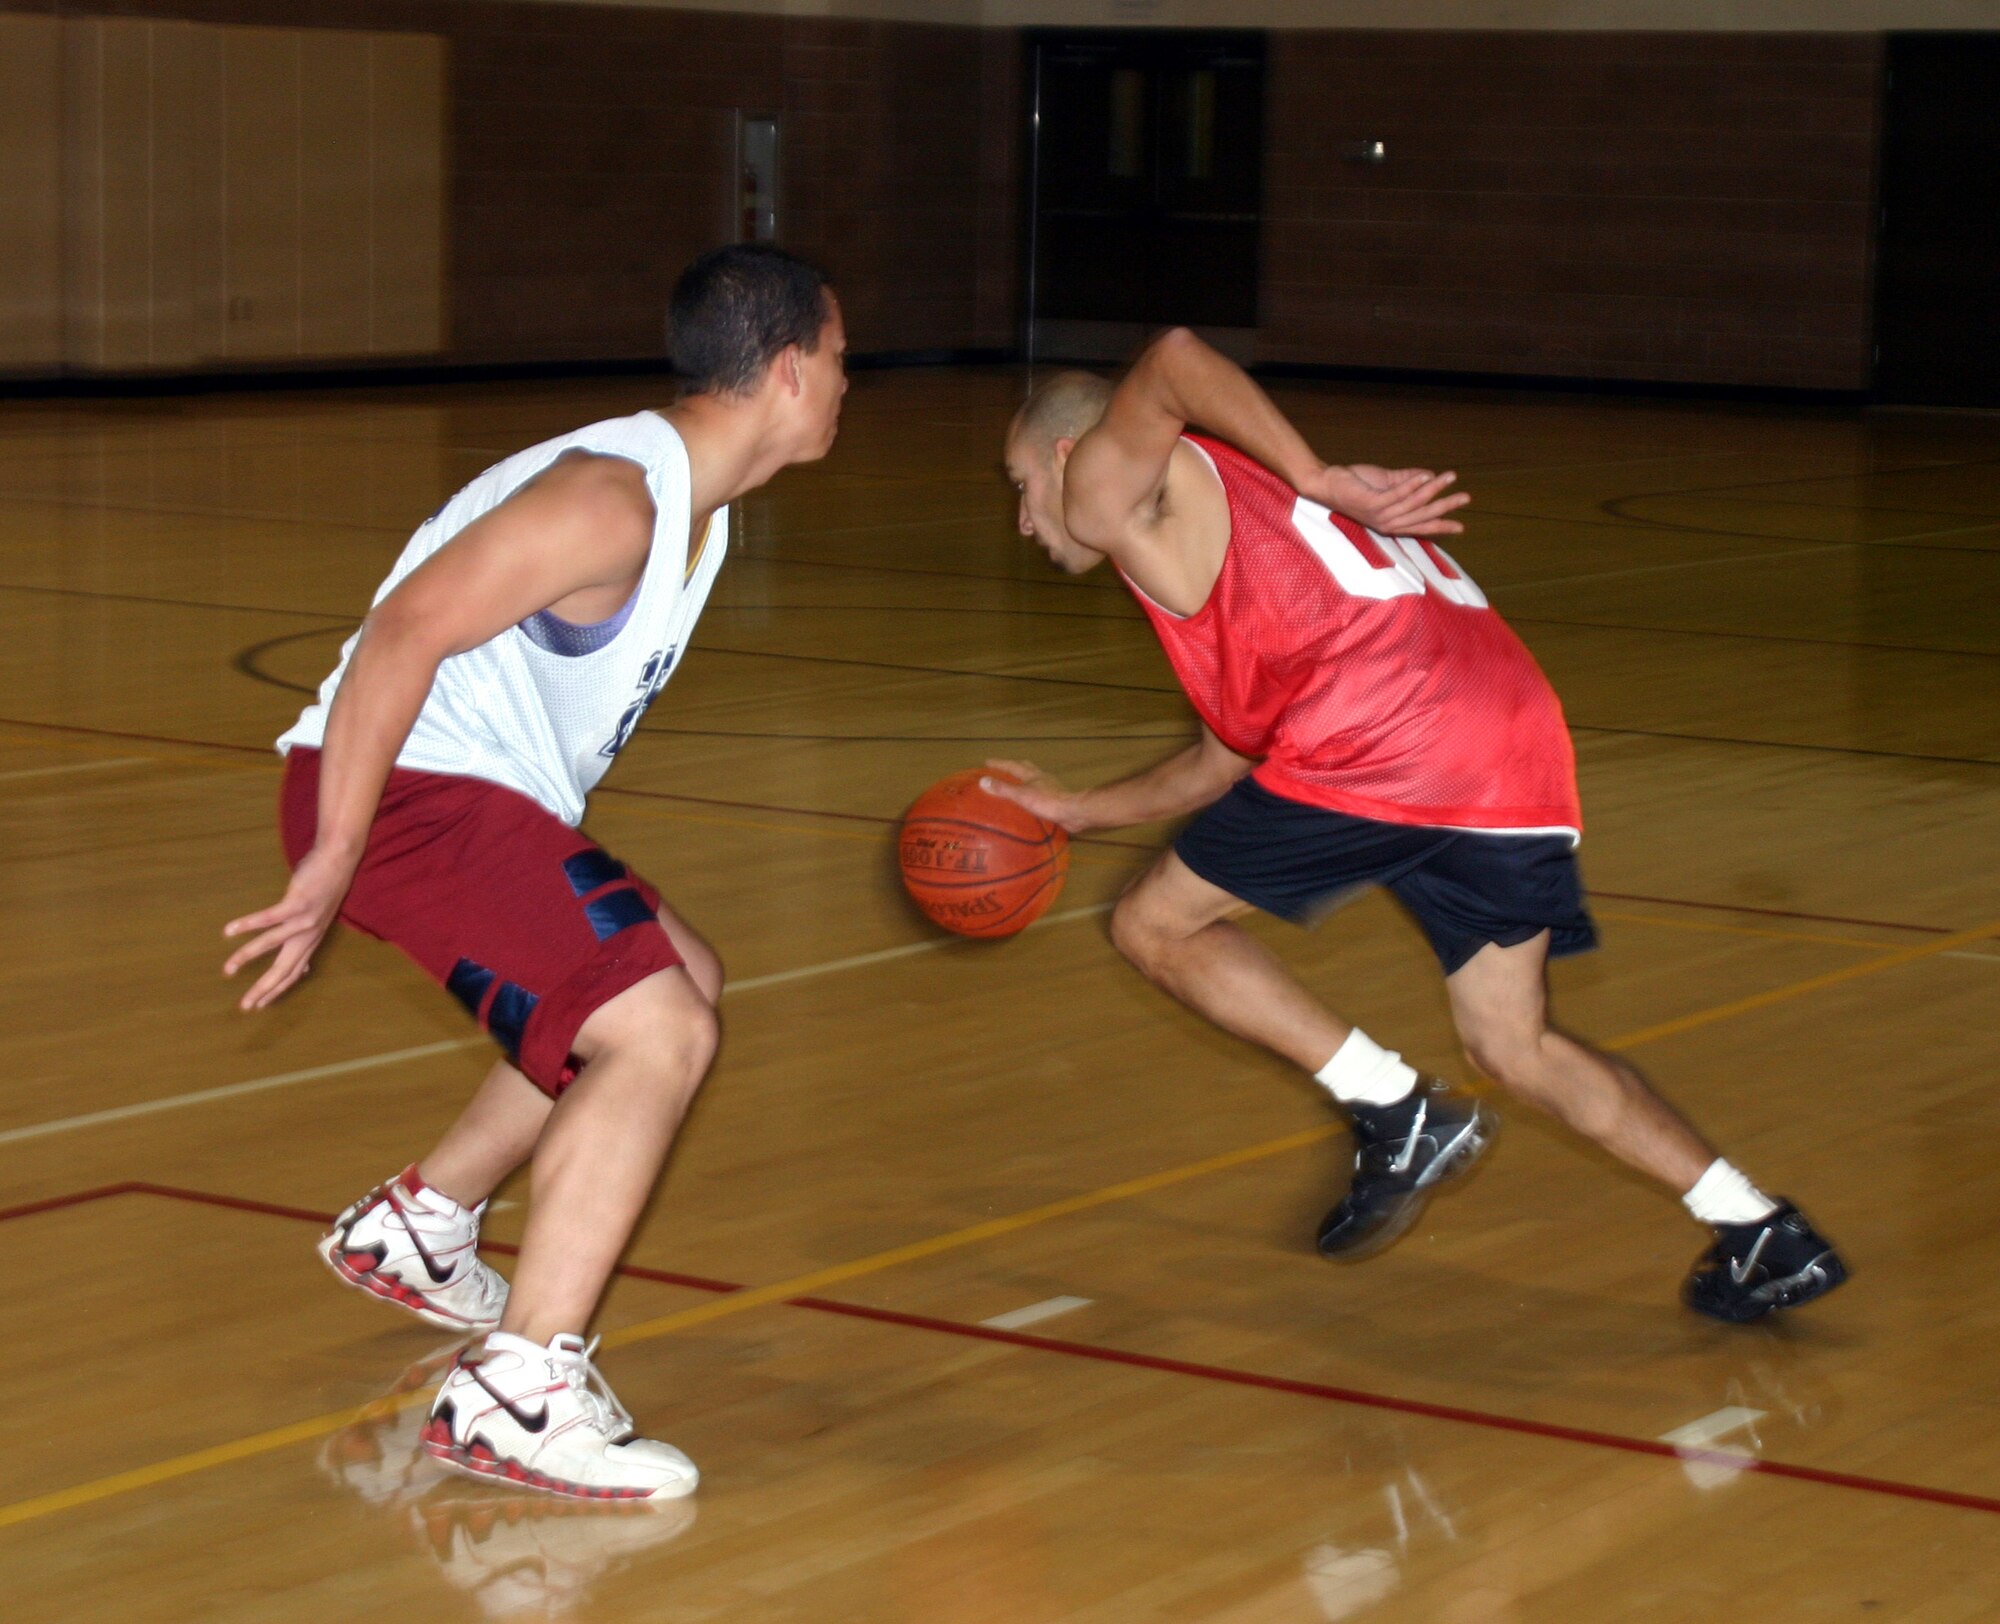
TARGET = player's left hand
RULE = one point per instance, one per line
(292, 929)
(1025, 784)
(1393, 501)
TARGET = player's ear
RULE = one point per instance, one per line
(795, 370)
(1059, 452)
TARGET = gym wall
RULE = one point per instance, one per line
(1692, 203)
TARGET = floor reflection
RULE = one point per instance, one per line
(515, 1553)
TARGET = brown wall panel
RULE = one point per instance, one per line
(409, 156)
(128, 131)
(336, 172)
(30, 192)
(261, 180)
(1689, 207)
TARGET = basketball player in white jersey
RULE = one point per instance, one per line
(431, 797)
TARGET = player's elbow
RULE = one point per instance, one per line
(1168, 355)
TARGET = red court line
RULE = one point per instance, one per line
(1408, 1406)
(237, 1203)
(880, 819)
(77, 1199)
(1354, 1396)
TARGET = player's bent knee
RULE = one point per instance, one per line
(666, 1021)
(1507, 1056)
(1136, 929)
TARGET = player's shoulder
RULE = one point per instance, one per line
(601, 500)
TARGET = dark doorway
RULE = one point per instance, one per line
(1147, 179)
(1937, 302)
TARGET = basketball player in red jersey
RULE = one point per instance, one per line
(1366, 719)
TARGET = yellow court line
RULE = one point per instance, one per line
(142, 1477)
(805, 1284)
(1798, 989)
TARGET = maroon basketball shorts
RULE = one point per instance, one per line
(520, 917)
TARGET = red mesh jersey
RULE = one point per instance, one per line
(1366, 670)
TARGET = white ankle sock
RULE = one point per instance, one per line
(1724, 1196)
(1362, 1072)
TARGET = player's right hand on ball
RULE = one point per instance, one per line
(293, 929)
(1038, 792)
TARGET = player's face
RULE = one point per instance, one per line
(823, 381)
(1038, 484)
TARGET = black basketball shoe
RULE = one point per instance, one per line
(1401, 1152)
(1780, 1261)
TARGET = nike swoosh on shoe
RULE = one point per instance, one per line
(440, 1276)
(522, 1419)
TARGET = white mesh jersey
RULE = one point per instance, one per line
(544, 707)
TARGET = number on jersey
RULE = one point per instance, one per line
(1410, 566)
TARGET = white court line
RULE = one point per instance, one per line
(1963, 953)
(1035, 1313)
(73, 767)
(337, 1068)
(284, 1079)
(1703, 1432)
(883, 955)
(1706, 1466)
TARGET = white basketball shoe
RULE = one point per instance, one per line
(416, 1247)
(543, 1417)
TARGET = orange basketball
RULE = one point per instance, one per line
(976, 864)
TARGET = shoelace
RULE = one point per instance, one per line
(594, 1393)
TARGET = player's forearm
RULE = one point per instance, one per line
(380, 695)
(1176, 786)
(1207, 390)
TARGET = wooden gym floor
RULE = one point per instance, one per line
(1775, 634)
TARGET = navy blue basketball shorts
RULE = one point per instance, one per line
(1464, 887)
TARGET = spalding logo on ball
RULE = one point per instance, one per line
(977, 864)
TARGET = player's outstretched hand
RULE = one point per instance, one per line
(1038, 792)
(1394, 501)
(293, 929)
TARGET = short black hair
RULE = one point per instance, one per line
(735, 308)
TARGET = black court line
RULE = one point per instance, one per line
(1785, 744)
(234, 515)
(269, 759)
(345, 618)
(247, 661)
(1755, 637)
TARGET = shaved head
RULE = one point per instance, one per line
(1066, 407)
